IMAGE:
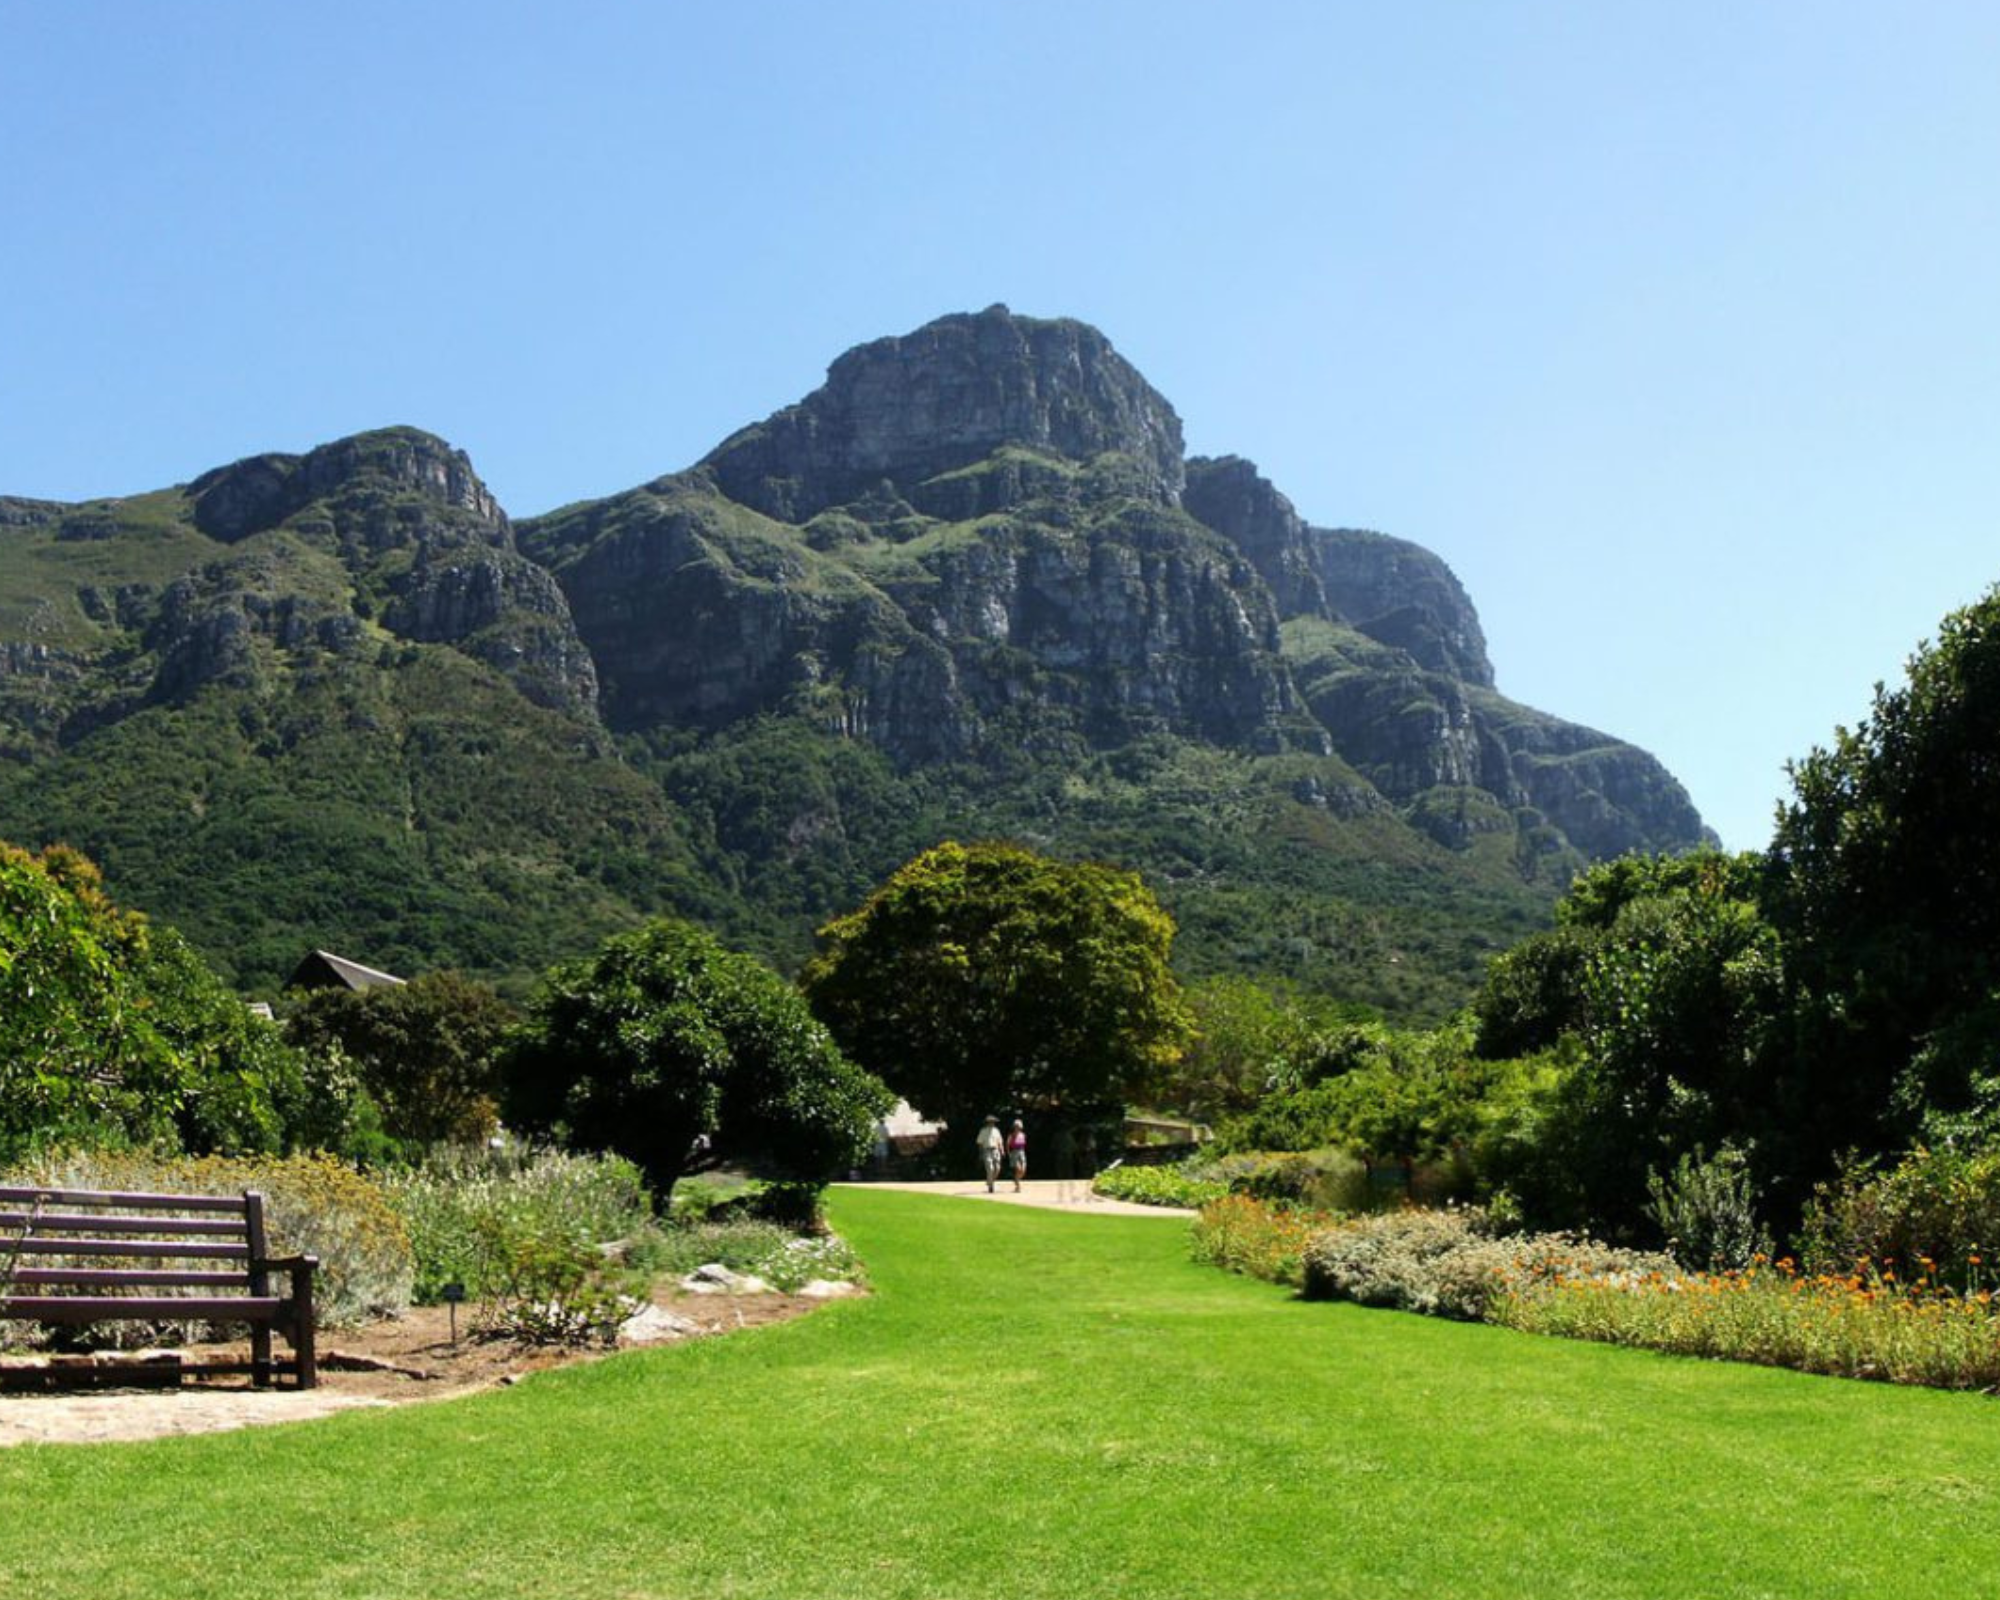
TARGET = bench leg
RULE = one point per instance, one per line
(260, 1354)
(303, 1318)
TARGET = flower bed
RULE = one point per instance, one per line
(1864, 1324)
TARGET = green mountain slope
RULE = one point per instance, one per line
(971, 587)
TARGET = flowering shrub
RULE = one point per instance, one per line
(1256, 1237)
(1451, 1263)
(313, 1205)
(466, 1209)
(1941, 1205)
(1862, 1324)
(1158, 1186)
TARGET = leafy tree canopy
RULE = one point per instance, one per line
(985, 975)
(1249, 1037)
(424, 1051)
(113, 1029)
(1888, 883)
(678, 1054)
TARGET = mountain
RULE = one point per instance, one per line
(970, 586)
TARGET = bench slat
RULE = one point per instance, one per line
(116, 1277)
(138, 1249)
(14, 1195)
(141, 1308)
(67, 1222)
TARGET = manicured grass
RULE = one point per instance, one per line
(1049, 1404)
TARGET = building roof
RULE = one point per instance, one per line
(325, 970)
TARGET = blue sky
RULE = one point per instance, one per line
(1674, 328)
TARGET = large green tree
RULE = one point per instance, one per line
(1664, 980)
(112, 1028)
(983, 976)
(680, 1054)
(425, 1050)
(1887, 885)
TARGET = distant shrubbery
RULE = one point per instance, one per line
(1450, 1263)
(1158, 1186)
(1901, 1321)
(1867, 1323)
(1935, 1210)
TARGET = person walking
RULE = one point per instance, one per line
(1017, 1153)
(992, 1147)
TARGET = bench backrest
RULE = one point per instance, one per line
(94, 1246)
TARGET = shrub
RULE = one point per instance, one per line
(313, 1205)
(467, 1210)
(1937, 1205)
(1158, 1186)
(1449, 1263)
(1255, 1237)
(1326, 1180)
(542, 1286)
(1707, 1211)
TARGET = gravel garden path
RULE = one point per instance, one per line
(1054, 1194)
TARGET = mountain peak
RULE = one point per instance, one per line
(259, 492)
(907, 408)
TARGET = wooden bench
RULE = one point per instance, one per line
(81, 1256)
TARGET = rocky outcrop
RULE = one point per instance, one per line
(1389, 589)
(1132, 625)
(1403, 595)
(16, 512)
(501, 608)
(905, 410)
(259, 492)
(1130, 619)
(209, 625)
(1233, 498)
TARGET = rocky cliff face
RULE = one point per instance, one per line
(904, 410)
(987, 525)
(260, 492)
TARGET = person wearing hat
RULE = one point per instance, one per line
(991, 1148)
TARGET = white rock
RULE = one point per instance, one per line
(827, 1289)
(653, 1325)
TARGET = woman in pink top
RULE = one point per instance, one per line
(1017, 1153)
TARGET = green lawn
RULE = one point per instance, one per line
(1048, 1404)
